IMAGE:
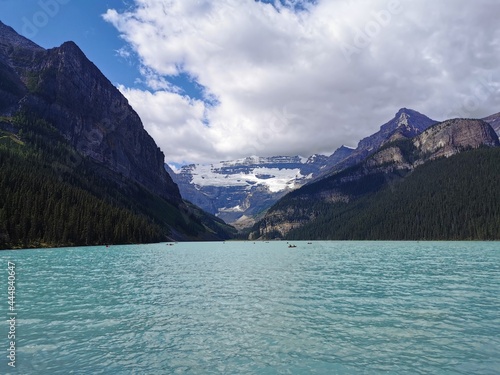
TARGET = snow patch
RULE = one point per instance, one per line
(403, 120)
(275, 179)
(237, 208)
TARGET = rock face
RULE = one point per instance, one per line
(494, 121)
(394, 160)
(453, 136)
(441, 140)
(64, 88)
(388, 156)
(13, 46)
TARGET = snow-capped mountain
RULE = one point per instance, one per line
(238, 190)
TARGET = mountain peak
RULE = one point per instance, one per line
(406, 123)
(413, 121)
(403, 110)
(407, 111)
(70, 46)
(340, 154)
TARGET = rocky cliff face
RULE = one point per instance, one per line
(494, 121)
(452, 136)
(392, 156)
(14, 47)
(393, 161)
(64, 88)
(441, 140)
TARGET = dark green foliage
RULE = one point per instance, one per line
(448, 199)
(52, 196)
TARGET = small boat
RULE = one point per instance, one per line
(290, 245)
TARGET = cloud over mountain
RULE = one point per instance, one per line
(304, 77)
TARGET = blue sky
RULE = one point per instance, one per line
(50, 23)
(222, 79)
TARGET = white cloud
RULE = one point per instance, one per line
(303, 81)
(175, 122)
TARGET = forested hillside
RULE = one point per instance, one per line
(52, 196)
(456, 198)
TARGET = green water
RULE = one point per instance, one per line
(255, 308)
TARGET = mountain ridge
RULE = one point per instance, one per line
(56, 92)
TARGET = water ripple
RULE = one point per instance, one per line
(244, 308)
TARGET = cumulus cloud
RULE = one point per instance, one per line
(304, 77)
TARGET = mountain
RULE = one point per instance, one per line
(443, 184)
(237, 191)
(406, 123)
(69, 91)
(60, 114)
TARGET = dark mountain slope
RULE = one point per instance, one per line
(65, 128)
(67, 90)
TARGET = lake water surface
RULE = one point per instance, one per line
(256, 308)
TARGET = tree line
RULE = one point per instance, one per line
(52, 196)
(456, 198)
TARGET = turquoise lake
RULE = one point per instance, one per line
(256, 308)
